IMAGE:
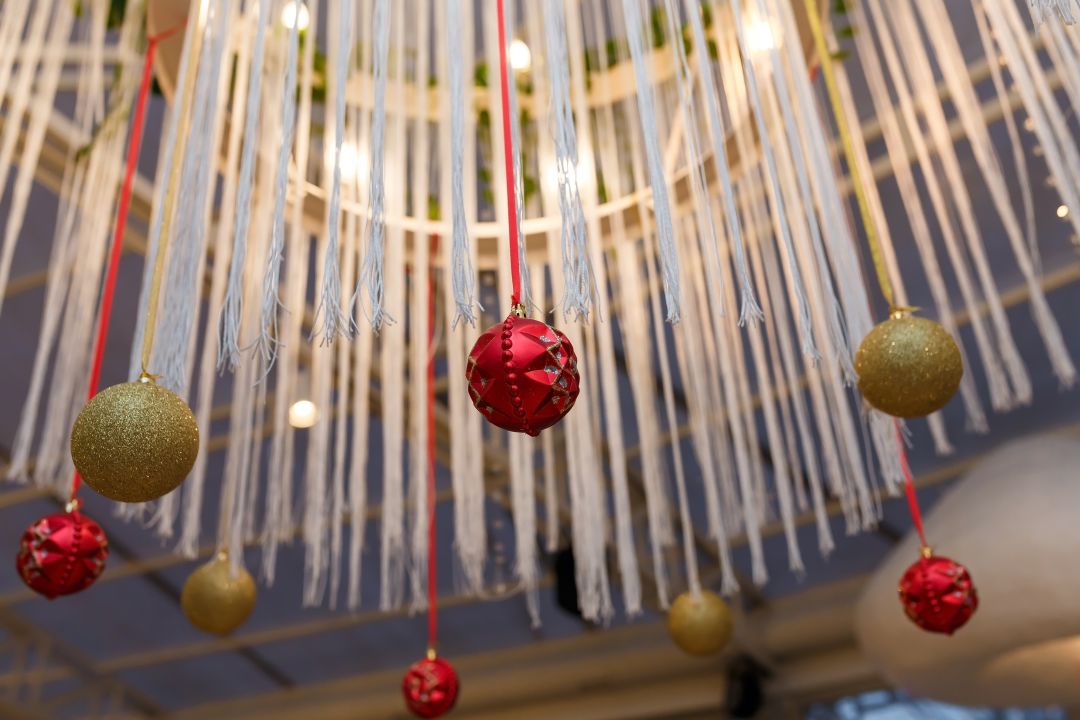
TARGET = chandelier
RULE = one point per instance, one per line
(330, 174)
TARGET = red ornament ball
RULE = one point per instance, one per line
(938, 595)
(523, 375)
(62, 554)
(430, 687)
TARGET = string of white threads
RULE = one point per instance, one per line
(749, 310)
(1001, 397)
(1065, 9)
(267, 342)
(587, 504)
(61, 254)
(32, 48)
(362, 347)
(13, 16)
(665, 231)
(873, 197)
(635, 327)
(579, 289)
(45, 86)
(188, 543)
(343, 351)
(1051, 126)
(419, 391)
(625, 547)
(547, 445)
(173, 339)
(750, 76)
(157, 217)
(229, 350)
(951, 61)
(277, 517)
(91, 226)
(915, 68)
(316, 514)
(393, 556)
(331, 319)
(810, 170)
(372, 274)
(178, 333)
(462, 274)
(708, 238)
(251, 404)
(779, 330)
(913, 205)
(1020, 161)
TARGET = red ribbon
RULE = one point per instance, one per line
(134, 143)
(909, 489)
(508, 158)
(433, 609)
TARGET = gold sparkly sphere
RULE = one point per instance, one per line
(134, 442)
(908, 366)
(217, 601)
(700, 625)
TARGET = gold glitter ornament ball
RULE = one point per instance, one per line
(135, 441)
(908, 366)
(217, 601)
(700, 625)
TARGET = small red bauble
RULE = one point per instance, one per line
(430, 687)
(62, 554)
(938, 595)
(523, 375)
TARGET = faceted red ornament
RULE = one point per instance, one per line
(430, 687)
(938, 595)
(62, 554)
(523, 375)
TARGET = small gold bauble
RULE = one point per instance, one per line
(217, 601)
(135, 441)
(908, 366)
(700, 625)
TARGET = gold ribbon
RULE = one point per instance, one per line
(824, 57)
(199, 8)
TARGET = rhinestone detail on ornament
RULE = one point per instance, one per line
(522, 375)
(938, 594)
(62, 554)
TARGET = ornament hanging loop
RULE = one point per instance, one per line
(926, 552)
(518, 310)
(897, 312)
(73, 504)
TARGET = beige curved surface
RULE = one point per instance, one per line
(1013, 522)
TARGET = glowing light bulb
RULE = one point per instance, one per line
(760, 36)
(303, 414)
(520, 56)
(353, 161)
(1063, 211)
(295, 14)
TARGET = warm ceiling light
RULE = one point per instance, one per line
(520, 56)
(295, 14)
(303, 414)
(1063, 211)
(759, 36)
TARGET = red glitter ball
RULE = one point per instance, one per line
(430, 687)
(523, 375)
(938, 595)
(62, 554)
